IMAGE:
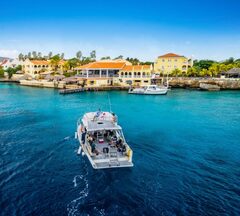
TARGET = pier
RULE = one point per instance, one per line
(82, 89)
(71, 91)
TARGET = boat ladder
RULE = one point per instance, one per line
(113, 157)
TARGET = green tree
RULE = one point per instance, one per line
(106, 58)
(10, 71)
(66, 66)
(193, 72)
(34, 54)
(203, 64)
(29, 55)
(62, 56)
(39, 55)
(73, 62)
(93, 55)
(54, 61)
(119, 57)
(1, 72)
(86, 60)
(229, 61)
(50, 55)
(176, 73)
(79, 54)
(134, 61)
(20, 56)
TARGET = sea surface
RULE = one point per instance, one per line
(186, 154)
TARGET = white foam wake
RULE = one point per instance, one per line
(79, 181)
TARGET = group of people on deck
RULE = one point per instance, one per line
(109, 136)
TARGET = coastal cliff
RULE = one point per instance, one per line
(205, 83)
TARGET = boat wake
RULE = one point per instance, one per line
(79, 181)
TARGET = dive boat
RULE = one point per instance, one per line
(150, 90)
(102, 141)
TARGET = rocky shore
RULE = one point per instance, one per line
(210, 84)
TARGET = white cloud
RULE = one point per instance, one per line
(8, 53)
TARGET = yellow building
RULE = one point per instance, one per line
(36, 67)
(136, 75)
(114, 73)
(170, 61)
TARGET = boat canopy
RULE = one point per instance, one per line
(96, 121)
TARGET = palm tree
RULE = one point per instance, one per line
(54, 61)
(79, 54)
(93, 54)
(50, 55)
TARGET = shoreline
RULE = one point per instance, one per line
(194, 83)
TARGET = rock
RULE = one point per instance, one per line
(209, 87)
(207, 83)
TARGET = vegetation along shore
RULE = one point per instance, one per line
(88, 73)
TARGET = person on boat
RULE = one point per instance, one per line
(97, 115)
(93, 145)
(114, 118)
(84, 133)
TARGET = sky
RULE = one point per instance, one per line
(203, 29)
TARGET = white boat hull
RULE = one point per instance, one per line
(158, 92)
(103, 161)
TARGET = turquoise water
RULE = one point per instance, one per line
(186, 154)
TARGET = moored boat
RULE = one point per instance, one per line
(102, 141)
(150, 90)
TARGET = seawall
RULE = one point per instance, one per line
(205, 83)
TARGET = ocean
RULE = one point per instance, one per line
(186, 154)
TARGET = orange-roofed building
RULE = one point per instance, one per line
(117, 72)
(167, 63)
(136, 75)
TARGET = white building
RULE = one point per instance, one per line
(7, 63)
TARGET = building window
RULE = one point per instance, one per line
(163, 60)
(175, 60)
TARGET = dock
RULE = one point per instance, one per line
(71, 91)
(83, 89)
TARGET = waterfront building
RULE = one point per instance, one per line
(10, 63)
(114, 73)
(167, 63)
(38, 67)
(136, 75)
(232, 73)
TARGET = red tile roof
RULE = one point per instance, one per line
(103, 65)
(136, 67)
(169, 55)
(3, 62)
(40, 62)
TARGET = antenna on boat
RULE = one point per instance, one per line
(109, 102)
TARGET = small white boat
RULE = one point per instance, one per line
(102, 141)
(150, 90)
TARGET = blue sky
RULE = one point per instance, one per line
(143, 29)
